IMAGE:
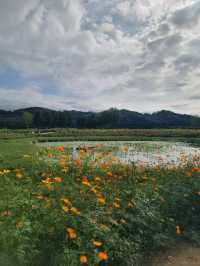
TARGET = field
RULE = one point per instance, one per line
(61, 208)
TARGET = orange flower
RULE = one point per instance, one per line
(75, 211)
(198, 193)
(65, 208)
(109, 174)
(78, 162)
(85, 181)
(197, 170)
(189, 174)
(61, 148)
(71, 233)
(57, 179)
(97, 243)
(83, 259)
(102, 256)
(178, 230)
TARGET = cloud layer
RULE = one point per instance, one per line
(91, 54)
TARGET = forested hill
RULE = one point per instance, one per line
(44, 118)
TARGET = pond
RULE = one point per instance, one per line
(140, 152)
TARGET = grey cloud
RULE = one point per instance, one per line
(187, 62)
(187, 16)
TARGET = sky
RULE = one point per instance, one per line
(90, 55)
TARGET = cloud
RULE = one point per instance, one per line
(92, 54)
(187, 16)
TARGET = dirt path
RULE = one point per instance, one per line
(183, 255)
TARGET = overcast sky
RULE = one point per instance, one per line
(141, 55)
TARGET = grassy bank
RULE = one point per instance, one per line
(56, 210)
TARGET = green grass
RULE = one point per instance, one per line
(12, 151)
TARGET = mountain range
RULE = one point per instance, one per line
(37, 117)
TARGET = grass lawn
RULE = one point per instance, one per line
(12, 151)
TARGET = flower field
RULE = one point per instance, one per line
(94, 210)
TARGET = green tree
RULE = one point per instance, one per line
(28, 118)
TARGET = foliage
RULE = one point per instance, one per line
(112, 118)
(28, 119)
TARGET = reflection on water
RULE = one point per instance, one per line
(144, 152)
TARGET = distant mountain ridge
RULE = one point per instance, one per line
(38, 117)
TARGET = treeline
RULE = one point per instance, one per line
(113, 118)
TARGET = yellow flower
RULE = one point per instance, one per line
(97, 243)
(83, 259)
(102, 256)
(71, 233)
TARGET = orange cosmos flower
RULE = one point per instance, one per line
(57, 179)
(198, 193)
(65, 208)
(83, 259)
(78, 162)
(102, 256)
(71, 233)
(109, 174)
(61, 148)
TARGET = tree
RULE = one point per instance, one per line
(28, 118)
